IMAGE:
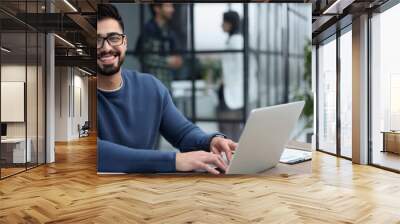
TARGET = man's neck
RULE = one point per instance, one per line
(109, 83)
(160, 21)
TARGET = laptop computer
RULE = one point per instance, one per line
(263, 139)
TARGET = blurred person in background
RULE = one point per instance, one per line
(158, 43)
(231, 91)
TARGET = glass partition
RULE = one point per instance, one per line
(32, 98)
(327, 96)
(41, 79)
(15, 149)
(346, 93)
(22, 89)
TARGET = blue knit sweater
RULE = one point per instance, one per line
(129, 120)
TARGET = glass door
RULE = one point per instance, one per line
(327, 96)
(346, 93)
(385, 90)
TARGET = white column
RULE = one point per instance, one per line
(360, 89)
(50, 92)
(50, 99)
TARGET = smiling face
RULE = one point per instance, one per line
(110, 56)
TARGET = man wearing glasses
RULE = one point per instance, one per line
(134, 107)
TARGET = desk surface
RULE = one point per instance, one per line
(280, 169)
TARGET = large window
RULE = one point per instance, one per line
(335, 53)
(327, 96)
(335, 107)
(346, 93)
(381, 68)
(222, 79)
(385, 89)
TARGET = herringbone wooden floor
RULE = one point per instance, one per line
(70, 191)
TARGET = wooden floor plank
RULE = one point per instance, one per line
(70, 191)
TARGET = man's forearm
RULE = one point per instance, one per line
(113, 157)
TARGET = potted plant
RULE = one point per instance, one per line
(306, 94)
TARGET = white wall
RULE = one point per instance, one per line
(12, 73)
(70, 83)
(61, 103)
(12, 100)
(33, 126)
(80, 84)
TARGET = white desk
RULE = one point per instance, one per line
(18, 150)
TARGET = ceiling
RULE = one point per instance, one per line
(22, 20)
(328, 15)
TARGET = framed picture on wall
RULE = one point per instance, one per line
(12, 101)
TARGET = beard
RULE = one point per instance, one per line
(109, 70)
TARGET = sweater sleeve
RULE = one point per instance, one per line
(179, 131)
(112, 157)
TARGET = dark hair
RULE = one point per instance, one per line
(106, 11)
(233, 18)
(151, 6)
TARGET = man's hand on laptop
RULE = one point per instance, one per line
(199, 160)
(220, 144)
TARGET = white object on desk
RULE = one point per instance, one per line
(292, 156)
(19, 149)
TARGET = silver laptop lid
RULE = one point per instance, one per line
(266, 132)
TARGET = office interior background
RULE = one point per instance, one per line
(355, 89)
(48, 83)
(275, 56)
(357, 79)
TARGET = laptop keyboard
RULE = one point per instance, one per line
(213, 166)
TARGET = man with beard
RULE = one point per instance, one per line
(158, 42)
(134, 107)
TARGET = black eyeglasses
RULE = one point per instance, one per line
(113, 39)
